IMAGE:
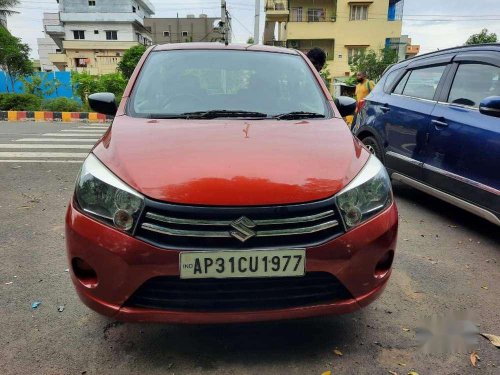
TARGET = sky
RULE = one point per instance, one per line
(433, 24)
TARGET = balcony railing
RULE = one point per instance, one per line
(316, 15)
(276, 43)
(276, 5)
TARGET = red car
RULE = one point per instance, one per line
(229, 189)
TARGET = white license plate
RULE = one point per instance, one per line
(243, 263)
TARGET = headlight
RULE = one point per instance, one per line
(369, 193)
(105, 197)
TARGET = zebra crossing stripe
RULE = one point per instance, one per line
(57, 140)
(36, 146)
(43, 154)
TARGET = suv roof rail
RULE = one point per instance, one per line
(458, 48)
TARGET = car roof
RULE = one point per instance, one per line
(223, 47)
(493, 47)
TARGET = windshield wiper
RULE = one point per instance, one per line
(222, 113)
(298, 115)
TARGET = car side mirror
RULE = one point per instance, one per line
(345, 105)
(490, 106)
(103, 102)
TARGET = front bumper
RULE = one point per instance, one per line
(123, 263)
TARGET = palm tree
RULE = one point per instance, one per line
(6, 8)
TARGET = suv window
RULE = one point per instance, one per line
(473, 83)
(401, 85)
(423, 82)
(390, 79)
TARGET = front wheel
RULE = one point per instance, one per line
(373, 146)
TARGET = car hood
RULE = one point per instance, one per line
(232, 162)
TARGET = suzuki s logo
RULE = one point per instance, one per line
(243, 231)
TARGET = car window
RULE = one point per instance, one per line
(176, 82)
(473, 83)
(401, 85)
(390, 79)
(423, 82)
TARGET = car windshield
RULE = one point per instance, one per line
(211, 84)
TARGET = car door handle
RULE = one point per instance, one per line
(385, 108)
(439, 124)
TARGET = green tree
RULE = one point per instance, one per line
(250, 40)
(130, 60)
(6, 7)
(373, 63)
(482, 37)
(14, 56)
(85, 84)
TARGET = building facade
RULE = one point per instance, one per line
(343, 28)
(47, 46)
(93, 34)
(182, 30)
(412, 49)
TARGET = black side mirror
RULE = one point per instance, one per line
(345, 105)
(103, 102)
(490, 106)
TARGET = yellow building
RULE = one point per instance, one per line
(340, 27)
(92, 36)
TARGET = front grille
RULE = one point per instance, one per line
(219, 295)
(221, 228)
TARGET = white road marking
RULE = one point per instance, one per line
(72, 135)
(93, 127)
(82, 131)
(43, 154)
(41, 161)
(34, 146)
(57, 140)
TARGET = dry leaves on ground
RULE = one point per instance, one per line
(474, 359)
(495, 340)
(338, 352)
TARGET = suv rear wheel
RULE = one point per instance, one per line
(373, 146)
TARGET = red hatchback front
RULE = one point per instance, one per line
(228, 189)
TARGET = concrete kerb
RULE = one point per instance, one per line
(54, 116)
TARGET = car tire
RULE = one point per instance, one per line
(373, 146)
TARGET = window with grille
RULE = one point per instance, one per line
(353, 52)
(315, 15)
(297, 14)
(359, 12)
(79, 34)
(111, 35)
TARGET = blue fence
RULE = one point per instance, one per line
(54, 84)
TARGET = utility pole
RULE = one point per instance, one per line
(257, 22)
(224, 22)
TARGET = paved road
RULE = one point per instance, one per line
(445, 261)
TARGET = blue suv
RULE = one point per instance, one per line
(434, 121)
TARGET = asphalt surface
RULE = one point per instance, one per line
(447, 261)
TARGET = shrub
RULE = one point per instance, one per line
(85, 84)
(20, 102)
(61, 105)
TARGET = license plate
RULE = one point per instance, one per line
(243, 263)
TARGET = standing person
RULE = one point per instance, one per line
(317, 57)
(364, 86)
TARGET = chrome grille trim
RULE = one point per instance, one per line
(292, 220)
(227, 234)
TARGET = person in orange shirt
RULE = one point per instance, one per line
(364, 86)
